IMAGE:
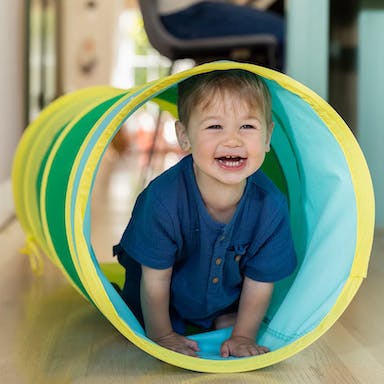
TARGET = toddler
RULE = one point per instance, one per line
(209, 237)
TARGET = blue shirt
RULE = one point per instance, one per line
(170, 226)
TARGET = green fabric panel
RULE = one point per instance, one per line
(40, 177)
(58, 182)
(170, 94)
(272, 168)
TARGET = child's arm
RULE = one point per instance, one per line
(155, 292)
(254, 301)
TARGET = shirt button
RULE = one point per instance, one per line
(215, 280)
(237, 258)
(219, 261)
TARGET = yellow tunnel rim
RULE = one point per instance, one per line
(365, 222)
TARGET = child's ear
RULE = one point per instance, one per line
(182, 136)
(268, 137)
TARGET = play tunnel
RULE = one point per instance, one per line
(315, 160)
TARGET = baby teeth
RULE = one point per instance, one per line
(231, 163)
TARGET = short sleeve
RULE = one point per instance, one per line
(275, 256)
(149, 237)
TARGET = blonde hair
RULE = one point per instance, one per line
(201, 88)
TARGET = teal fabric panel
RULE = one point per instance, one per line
(327, 225)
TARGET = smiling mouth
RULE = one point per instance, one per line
(231, 161)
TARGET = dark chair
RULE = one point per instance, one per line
(257, 48)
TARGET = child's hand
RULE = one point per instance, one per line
(240, 346)
(178, 343)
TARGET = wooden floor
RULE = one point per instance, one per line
(49, 334)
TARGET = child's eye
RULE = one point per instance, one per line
(214, 126)
(248, 126)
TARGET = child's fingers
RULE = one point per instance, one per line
(193, 345)
(187, 351)
(224, 350)
(184, 349)
(262, 349)
(236, 349)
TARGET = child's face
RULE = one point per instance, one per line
(227, 137)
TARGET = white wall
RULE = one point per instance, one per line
(307, 43)
(11, 95)
(87, 43)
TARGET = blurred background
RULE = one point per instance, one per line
(51, 47)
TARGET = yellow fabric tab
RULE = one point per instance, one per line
(32, 250)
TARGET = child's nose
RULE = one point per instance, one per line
(233, 139)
